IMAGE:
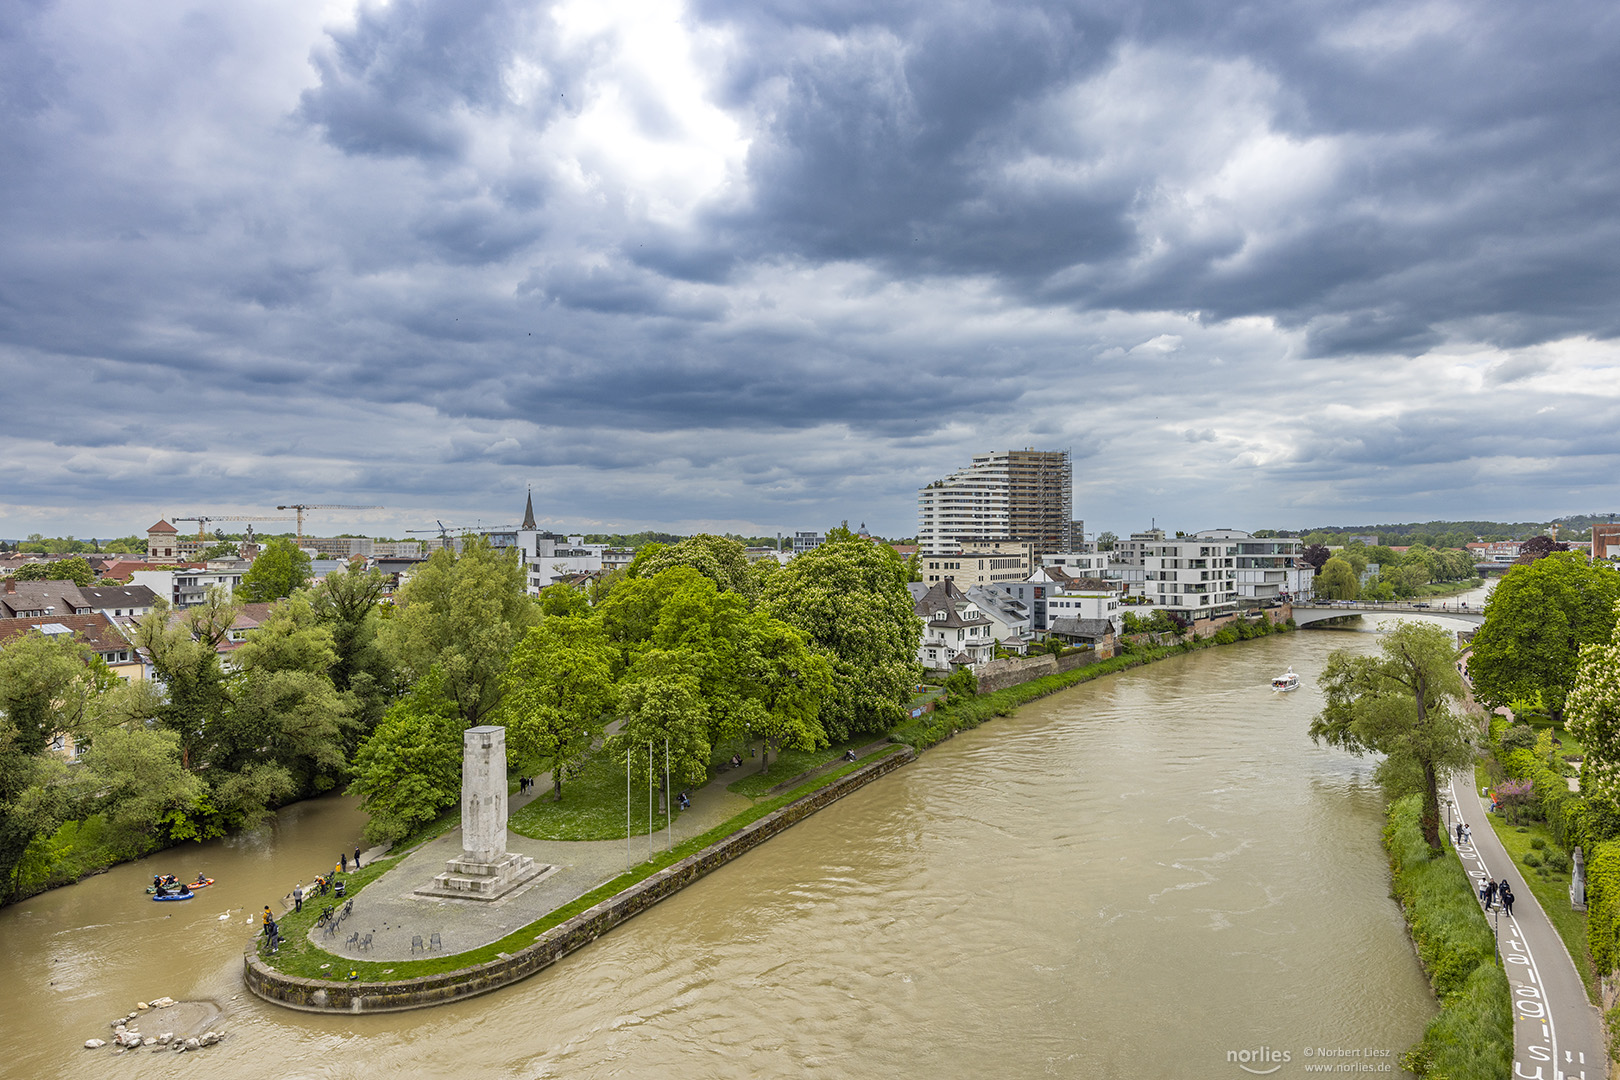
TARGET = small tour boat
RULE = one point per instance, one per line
(1286, 681)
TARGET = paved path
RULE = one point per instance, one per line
(1557, 1032)
(393, 913)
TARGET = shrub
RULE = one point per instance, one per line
(1473, 1034)
(1519, 737)
(1532, 859)
(1557, 862)
(1537, 842)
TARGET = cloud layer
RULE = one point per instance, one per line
(766, 266)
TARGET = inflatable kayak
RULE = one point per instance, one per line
(187, 895)
(200, 883)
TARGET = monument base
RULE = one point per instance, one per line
(469, 879)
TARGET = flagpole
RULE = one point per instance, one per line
(669, 807)
(650, 840)
(627, 808)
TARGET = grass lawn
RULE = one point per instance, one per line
(1552, 893)
(789, 763)
(592, 806)
(299, 957)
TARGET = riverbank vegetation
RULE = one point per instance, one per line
(1359, 571)
(334, 689)
(965, 710)
(1472, 1037)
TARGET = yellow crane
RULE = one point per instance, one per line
(202, 520)
(301, 507)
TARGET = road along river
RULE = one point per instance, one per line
(1155, 875)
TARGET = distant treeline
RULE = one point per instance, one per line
(1450, 534)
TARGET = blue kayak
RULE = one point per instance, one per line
(187, 895)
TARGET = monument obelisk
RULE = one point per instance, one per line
(485, 870)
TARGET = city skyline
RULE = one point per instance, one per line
(757, 268)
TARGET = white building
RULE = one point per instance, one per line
(955, 632)
(1005, 494)
(188, 586)
(1211, 573)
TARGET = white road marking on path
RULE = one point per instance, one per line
(1523, 978)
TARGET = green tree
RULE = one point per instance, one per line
(849, 598)
(462, 614)
(146, 794)
(280, 570)
(183, 649)
(1536, 620)
(409, 771)
(1337, 581)
(346, 604)
(225, 549)
(558, 691)
(75, 570)
(1399, 704)
(563, 600)
(722, 561)
(1592, 714)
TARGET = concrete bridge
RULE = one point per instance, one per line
(1309, 611)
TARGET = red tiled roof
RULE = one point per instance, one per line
(163, 527)
(96, 631)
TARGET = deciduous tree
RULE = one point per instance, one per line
(409, 770)
(280, 570)
(558, 692)
(462, 614)
(1536, 620)
(1337, 581)
(1592, 713)
(849, 598)
(1399, 704)
(75, 570)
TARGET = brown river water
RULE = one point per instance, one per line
(1142, 876)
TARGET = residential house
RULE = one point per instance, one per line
(955, 632)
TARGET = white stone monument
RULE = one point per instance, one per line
(485, 870)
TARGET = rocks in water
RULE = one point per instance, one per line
(128, 1038)
(93, 1044)
(166, 1038)
(162, 1002)
(148, 1041)
(141, 1006)
(192, 1044)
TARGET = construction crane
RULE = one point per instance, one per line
(202, 520)
(301, 507)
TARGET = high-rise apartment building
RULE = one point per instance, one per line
(1004, 495)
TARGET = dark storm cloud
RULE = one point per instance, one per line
(783, 262)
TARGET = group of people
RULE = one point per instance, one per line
(525, 784)
(272, 933)
(324, 884)
(1489, 891)
(1492, 891)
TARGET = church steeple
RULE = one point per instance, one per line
(528, 512)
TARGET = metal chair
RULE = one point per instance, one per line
(416, 943)
(354, 940)
(365, 942)
(434, 942)
(331, 928)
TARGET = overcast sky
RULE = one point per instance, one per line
(763, 265)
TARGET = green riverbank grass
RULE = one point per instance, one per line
(1472, 1037)
(304, 959)
(592, 806)
(789, 763)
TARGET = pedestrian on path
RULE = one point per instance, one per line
(357, 858)
(1490, 895)
(1459, 832)
(1485, 895)
(1468, 834)
(1506, 893)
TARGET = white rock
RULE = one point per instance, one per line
(177, 1046)
(92, 1044)
(128, 1038)
(192, 1044)
(162, 1002)
(148, 1041)
(141, 1006)
(166, 1037)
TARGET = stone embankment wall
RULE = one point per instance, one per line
(319, 995)
(1000, 674)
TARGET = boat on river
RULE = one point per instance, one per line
(186, 895)
(1285, 682)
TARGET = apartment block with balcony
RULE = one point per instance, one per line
(1006, 494)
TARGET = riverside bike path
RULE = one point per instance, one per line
(1557, 1032)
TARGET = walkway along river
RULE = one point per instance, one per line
(1155, 874)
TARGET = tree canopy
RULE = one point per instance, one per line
(75, 570)
(281, 569)
(1592, 712)
(1536, 620)
(849, 598)
(1337, 581)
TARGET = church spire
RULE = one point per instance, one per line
(528, 512)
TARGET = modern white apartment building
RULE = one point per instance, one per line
(1209, 573)
(1005, 494)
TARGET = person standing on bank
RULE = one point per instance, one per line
(343, 862)
(357, 858)
(1490, 895)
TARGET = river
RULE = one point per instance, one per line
(1144, 875)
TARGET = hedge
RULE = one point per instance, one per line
(1473, 1034)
